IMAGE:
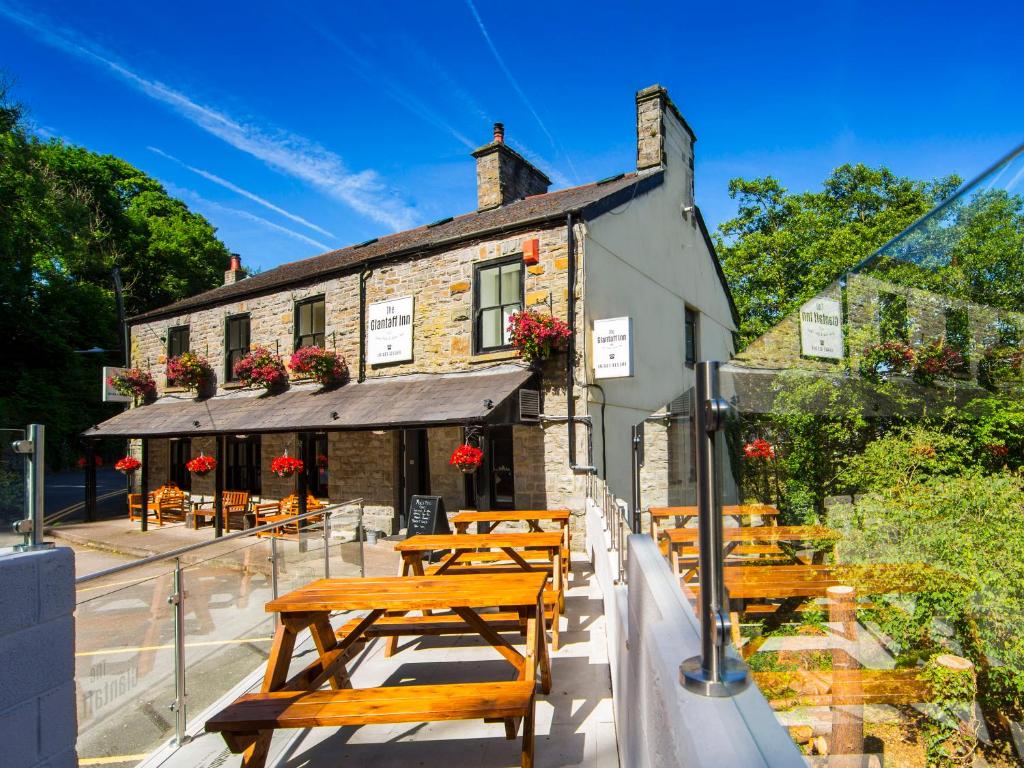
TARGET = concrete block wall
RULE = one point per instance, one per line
(38, 720)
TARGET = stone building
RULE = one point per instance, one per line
(631, 246)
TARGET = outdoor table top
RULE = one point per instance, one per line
(463, 541)
(769, 534)
(413, 593)
(735, 510)
(511, 516)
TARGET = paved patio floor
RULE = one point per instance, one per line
(575, 726)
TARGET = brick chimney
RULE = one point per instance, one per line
(235, 271)
(503, 175)
(659, 127)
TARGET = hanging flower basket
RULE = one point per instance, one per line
(324, 366)
(189, 370)
(201, 465)
(536, 336)
(261, 368)
(759, 450)
(83, 462)
(127, 465)
(321, 461)
(134, 382)
(886, 359)
(286, 466)
(467, 458)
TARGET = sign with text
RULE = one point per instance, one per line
(427, 516)
(110, 395)
(613, 348)
(821, 329)
(389, 331)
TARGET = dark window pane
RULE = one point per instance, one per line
(892, 321)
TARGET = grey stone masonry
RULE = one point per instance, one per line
(503, 175)
(38, 720)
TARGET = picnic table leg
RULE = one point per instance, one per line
(556, 577)
(407, 564)
(540, 640)
(274, 678)
(325, 641)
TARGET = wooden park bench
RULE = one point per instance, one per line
(682, 515)
(235, 505)
(166, 503)
(272, 512)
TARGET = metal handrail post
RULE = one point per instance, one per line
(33, 448)
(362, 537)
(327, 545)
(177, 599)
(713, 673)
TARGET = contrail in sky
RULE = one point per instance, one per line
(243, 192)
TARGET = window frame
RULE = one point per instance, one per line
(175, 331)
(478, 269)
(229, 374)
(297, 309)
(691, 333)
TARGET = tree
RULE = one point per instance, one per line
(68, 216)
(782, 248)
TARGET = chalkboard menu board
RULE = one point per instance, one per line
(427, 515)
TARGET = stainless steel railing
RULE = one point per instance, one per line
(178, 598)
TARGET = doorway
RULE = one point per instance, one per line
(414, 469)
(502, 468)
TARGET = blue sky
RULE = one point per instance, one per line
(302, 129)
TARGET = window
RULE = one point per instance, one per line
(892, 320)
(242, 468)
(958, 333)
(236, 343)
(315, 452)
(498, 294)
(177, 341)
(691, 336)
(309, 322)
(181, 453)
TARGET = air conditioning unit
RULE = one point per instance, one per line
(529, 405)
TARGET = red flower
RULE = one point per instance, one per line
(321, 461)
(134, 382)
(467, 458)
(536, 336)
(759, 449)
(201, 464)
(997, 450)
(286, 466)
(323, 365)
(82, 463)
(127, 464)
(260, 368)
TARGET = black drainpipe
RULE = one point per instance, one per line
(363, 277)
(570, 358)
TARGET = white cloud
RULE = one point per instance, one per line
(196, 199)
(243, 192)
(285, 152)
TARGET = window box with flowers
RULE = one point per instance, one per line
(136, 383)
(934, 360)
(261, 368)
(127, 465)
(324, 366)
(201, 465)
(536, 336)
(190, 371)
(286, 466)
(467, 458)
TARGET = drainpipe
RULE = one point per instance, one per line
(570, 362)
(364, 276)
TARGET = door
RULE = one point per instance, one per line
(181, 454)
(414, 469)
(502, 474)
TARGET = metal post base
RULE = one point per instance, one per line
(733, 673)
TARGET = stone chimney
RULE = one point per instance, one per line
(503, 175)
(658, 120)
(235, 271)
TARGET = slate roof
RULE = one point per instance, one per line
(380, 403)
(522, 213)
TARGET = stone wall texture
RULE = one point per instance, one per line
(38, 719)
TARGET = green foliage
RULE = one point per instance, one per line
(67, 218)
(952, 737)
(783, 248)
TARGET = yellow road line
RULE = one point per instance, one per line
(112, 760)
(122, 583)
(197, 644)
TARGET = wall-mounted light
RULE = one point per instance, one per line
(195, 424)
(334, 415)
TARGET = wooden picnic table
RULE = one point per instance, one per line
(532, 517)
(748, 540)
(248, 724)
(473, 554)
(735, 511)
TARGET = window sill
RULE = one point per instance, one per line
(487, 357)
(232, 385)
(175, 390)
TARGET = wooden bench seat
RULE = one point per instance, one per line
(241, 722)
(439, 624)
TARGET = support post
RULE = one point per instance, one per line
(218, 489)
(144, 482)
(713, 673)
(177, 599)
(847, 744)
(90, 481)
(302, 487)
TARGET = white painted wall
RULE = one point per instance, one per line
(645, 260)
